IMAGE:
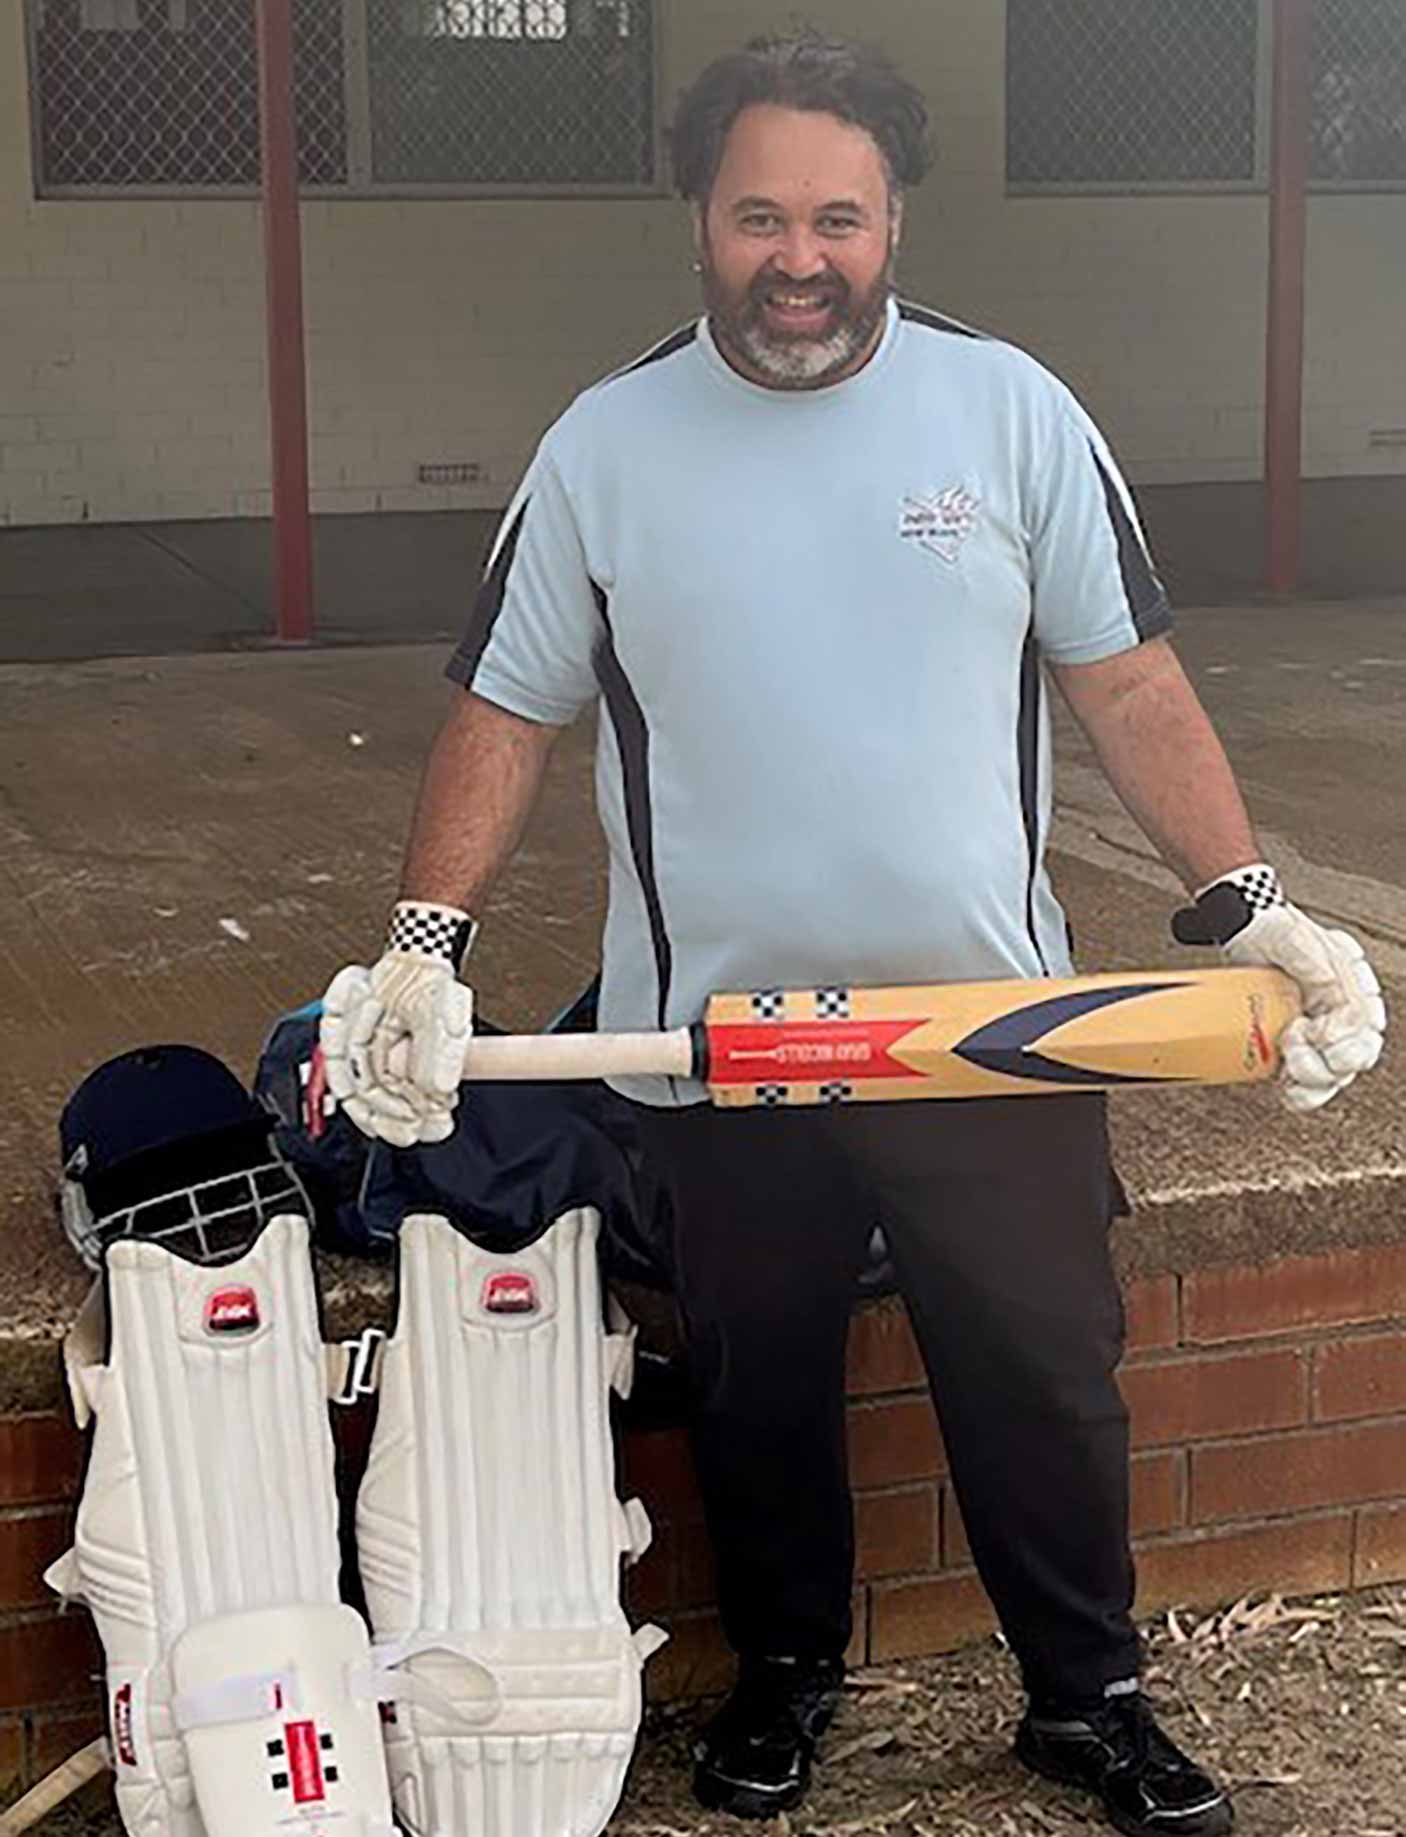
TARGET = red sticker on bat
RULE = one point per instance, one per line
(807, 1052)
(1258, 1045)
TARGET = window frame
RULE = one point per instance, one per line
(1353, 187)
(1255, 186)
(359, 186)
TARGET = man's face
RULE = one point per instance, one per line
(796, 244)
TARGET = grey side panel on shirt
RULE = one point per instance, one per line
(487, 605)
(632, 741)
(1032, 689)
(1147, 597)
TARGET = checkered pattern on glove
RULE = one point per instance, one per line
(426, 930)
(1258, 885)
(1226, 906)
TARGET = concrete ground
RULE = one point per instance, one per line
(191, 843)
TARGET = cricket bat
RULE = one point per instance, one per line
(962, 1039)
(55, 1787)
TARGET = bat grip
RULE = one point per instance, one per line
(552, 1056)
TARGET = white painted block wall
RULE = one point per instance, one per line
(132, 377)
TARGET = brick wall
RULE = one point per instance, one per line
(1269, 1429)
(1268, 1413)
(48, 1707)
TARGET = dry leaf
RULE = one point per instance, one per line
(874, 1742)
(875, 1821)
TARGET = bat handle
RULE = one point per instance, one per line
(552, 1056)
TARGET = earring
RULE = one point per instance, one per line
(698, 267)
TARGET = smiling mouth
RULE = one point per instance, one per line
(791, 307)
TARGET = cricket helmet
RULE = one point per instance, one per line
(165, 1143)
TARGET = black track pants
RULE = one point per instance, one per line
(996, 1214)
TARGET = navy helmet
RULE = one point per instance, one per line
(165, 1143)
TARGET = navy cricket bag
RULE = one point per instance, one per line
(520, 1156)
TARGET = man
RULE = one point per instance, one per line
(815, 555)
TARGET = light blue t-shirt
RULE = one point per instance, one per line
(815, 621)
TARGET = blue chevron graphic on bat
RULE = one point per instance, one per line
(1007, 1044)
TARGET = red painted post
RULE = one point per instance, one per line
(1288, 237)
(283, 269)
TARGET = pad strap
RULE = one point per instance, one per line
(251, 1698)
(405, 1687)
(238, 1699)
(354, 1367)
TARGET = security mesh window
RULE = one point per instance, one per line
(140, 93)
(1359, 92)
(500, 92)
(1131, 92)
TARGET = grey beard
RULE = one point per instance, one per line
(800, 363)
(803, 365)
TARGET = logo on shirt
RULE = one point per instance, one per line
(939, 521)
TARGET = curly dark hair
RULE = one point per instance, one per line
(803, 69)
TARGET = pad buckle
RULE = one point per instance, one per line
(361, 1371)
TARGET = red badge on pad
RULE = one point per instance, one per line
(511, 1292)
(232, 1310)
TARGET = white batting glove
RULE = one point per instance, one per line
(393, 1037)
(1339, 1033)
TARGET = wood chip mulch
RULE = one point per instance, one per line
(1298, 1705)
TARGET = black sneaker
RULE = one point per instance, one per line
(1148, 1786)
(753, 1758)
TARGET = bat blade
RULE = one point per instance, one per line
(991, 1039)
